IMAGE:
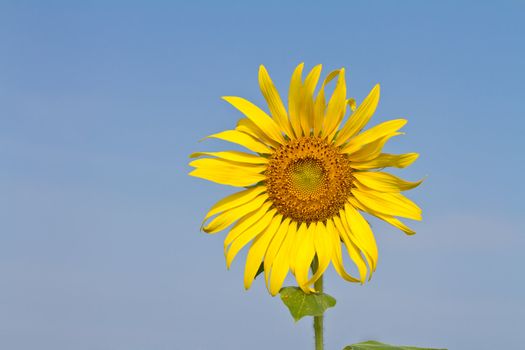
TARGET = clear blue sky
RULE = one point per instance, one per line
(101, 103)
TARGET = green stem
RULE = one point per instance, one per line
(318, 320)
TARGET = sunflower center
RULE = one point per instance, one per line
(308, 179)
(307, 176)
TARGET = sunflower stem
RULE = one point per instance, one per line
(318, 320)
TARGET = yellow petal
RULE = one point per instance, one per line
(355, 203)
(387, 218)
(354, 252)
(228, 177)
(258, 116)
(249, 127)
(234, 200)
(235, 156)
(395, 222)
(323, 250)
(336, 107)
(337, 257)
(358, 243)
(361, 229)
(281, 264)
(242, 127)
(274, 101)
(393, 204)
(307, 101)
(242, 139)
(387, 160)
(320, 104)
(384, 182)
(225, 165)
(371, 150)
(304, 257)
(360, 117)
(294, 99)
(296, 245)
(228, 217)
(373, 134)
(257, 250)
(246, 236)
(274, 247)
(244, 223)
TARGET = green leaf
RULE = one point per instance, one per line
(301, 304)
(375, 345)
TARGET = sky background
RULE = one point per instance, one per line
(102, 102)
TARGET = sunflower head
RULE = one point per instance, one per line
(307, 178)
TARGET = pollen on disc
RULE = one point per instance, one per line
(308, 180)
(306, 176)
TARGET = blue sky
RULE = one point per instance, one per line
(101, 103)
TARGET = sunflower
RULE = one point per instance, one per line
(308, 179)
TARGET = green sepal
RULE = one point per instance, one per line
(260, 270)
(301, 304)
(375, 345)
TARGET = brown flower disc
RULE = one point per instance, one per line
(308, 180)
